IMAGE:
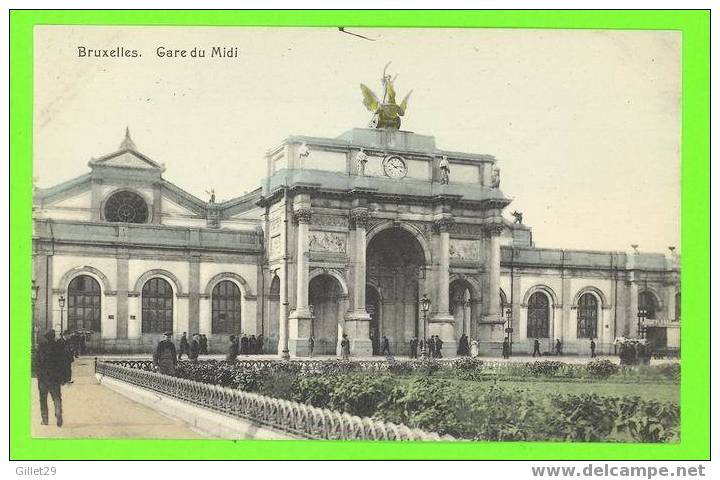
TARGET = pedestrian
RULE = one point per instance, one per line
(82, 344)
(311, 346)
(345, 347)
(413, 347)
(592, 348)
(260, 342)
(252, 344)
(184, 346)
(558, 347)
(203, 344)
(64, 343)
(244, 344)
(506, 348)
(194, 351)
(536, 348)
(51, 374)
(463, 349)
(233, 350)
(438, 347)
(431, 346)
(474, 348)
(385, 346)
(165, 357)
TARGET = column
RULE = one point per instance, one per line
(300, 320)
(442, 323)
(283, 328)
(193, 295)
(631, 318)
(492, 268)
(122, 261)
(357, 325)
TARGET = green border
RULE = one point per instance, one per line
(695, 387)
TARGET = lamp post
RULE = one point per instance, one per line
(311, 307)
(425, 306)
(509, 328)
(61, 302)
(642, 314)
(33, 296)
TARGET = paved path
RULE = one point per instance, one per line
(91, 410)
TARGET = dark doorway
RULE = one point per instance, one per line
(372, 307)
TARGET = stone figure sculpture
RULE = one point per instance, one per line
(360, 160)
(387, 112)
(444, 171)
(303, 150)
(495, 178)
(518, 217)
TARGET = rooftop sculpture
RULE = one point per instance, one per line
(387, 112)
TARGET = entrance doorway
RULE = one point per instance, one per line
(326, 297)
(395, 261)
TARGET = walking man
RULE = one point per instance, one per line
(165, 357)
(184, 346)
(311, 345)
(260, 341)
(558, 347)
(203, 344)
(385, 346)
(592, 348)
(413, 347)
(233, 350)
(194, 352)
(345, 347)
(438, 346)
(536, 348)
(506, 348)
(51, 374)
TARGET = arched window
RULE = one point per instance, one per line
(157, 306)
(587, 316)
(677, 306)
(538, 325)
(648, 302)
(503, 301)
(83, 304)
(226, 308)
(127, 207)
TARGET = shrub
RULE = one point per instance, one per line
(670, 371)
(602, 368)
(359, 395)
(468, 368)
(313, 390)
(544, 369)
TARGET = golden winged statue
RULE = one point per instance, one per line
(387, 112)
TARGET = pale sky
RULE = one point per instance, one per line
(585, 124)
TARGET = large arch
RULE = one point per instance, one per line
(408, 227)
(599, 296)
(396, 259)
(315, 272)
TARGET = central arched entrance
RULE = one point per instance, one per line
(395, 261)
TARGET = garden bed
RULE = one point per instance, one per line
(467, 398)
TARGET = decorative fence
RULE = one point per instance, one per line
(292, 417)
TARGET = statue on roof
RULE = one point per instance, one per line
(518, 217)
(211, 192)
(387, 112)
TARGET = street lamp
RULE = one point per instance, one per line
(311, 307)
(509, 328)
(425, 307)
(642, 314)
(61, 302)
(33, 296)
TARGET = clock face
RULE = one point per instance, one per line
(395, 167)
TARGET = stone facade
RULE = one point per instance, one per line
(323, 249)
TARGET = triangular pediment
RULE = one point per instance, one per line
(126, 159)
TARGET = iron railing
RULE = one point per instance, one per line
(292, 417)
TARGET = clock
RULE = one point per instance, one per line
(395, 166)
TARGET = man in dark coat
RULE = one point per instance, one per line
(233, 350)
(463, 346)
(438, 347)
(385, 346)
(506, 348)
(64, 344)
(558, 347)
(252, 344)
(194, 352)
(165, 357)
(345, 347)
(592, 348)
(413, 347)
(536, 348)
(260, 342)
(184, 346)
(203, 344)
(244, 344)
(52, 362)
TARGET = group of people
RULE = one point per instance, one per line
(166, 355)
(53, 368)
(634, 352)
(431, 346)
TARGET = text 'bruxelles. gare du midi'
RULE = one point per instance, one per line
(374, 233)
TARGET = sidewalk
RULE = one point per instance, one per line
(91, 410)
